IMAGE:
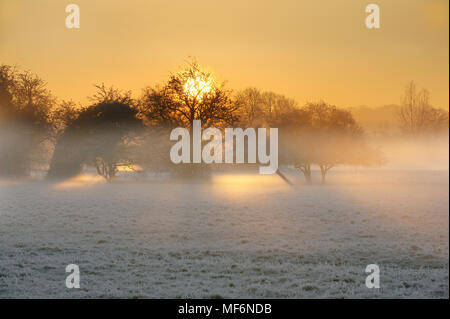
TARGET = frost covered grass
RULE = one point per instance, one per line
(237, 236)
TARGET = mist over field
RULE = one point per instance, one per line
(431, 153)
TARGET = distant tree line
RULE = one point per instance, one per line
(115, 129)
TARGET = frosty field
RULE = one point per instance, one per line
(234, 236)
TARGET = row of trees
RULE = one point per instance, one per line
(315, 134)
(322, 134)
(117, 130)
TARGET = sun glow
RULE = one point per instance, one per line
(197, 87)
(238, 185)
(81, 180)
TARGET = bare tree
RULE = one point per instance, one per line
(275, 106)
(190, 94)
(416, 114)
(305, 168)
(414, 109)
(250, 102)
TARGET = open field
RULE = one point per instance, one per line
(242, 236)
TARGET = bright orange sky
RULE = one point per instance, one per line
(308, 50)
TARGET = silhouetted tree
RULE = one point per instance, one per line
(25, 107)
(7, 87)
(190, 94)
(65, 113)
(98, 135)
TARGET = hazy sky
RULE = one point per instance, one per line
(308, 50)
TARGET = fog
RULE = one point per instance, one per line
(25, 156)
(426, 153)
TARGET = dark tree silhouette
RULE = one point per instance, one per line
(98, 135)
(25, 121)
(190, 94)
(7, 87)
(65, 113)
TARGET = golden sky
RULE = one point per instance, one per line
(308, 50)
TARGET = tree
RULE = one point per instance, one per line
(97, 135)
(7, 86)
(251, 104)
(333, 131)
(416, 114)
(190, 94)
(439, 120)
(25, 107)
(275, 106)
(295, 143)
(63, 115)
(322, 134)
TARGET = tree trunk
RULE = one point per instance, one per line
(324, 170)
(308, 178)
(111, 171)
(306, 169)
(284, 178)
(105, 169)
(324, 175)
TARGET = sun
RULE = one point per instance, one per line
(197, 87)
